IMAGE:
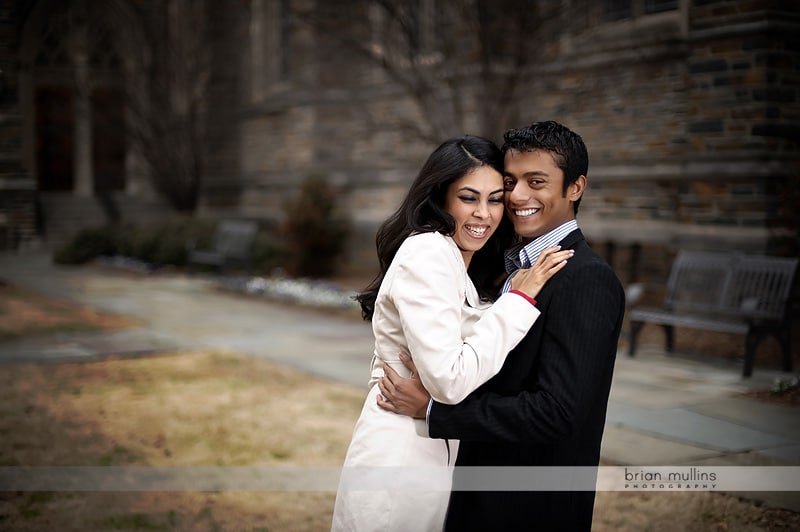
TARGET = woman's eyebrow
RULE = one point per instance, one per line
(470, 189)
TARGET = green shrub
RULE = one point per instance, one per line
(160, 243)
(171, 245)
(87, 245)
(269, 252)
(314, 230)
(163, 243)
(142, 243)
(166, 242)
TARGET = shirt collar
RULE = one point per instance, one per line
(524, 255)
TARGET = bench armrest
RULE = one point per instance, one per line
(749, 306)
(633, 293)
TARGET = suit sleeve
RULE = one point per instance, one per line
(577, 353)
(428, 291)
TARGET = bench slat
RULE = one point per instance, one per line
(712, 323)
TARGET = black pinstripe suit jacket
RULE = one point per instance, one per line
(547, 406)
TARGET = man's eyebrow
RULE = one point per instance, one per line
(532, 173)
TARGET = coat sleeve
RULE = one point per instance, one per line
(576, 360)
(429, 292)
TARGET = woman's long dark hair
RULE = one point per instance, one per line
(422, 211)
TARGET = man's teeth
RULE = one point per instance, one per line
(477, 230)
(525, 212)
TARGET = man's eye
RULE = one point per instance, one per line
(509, 184)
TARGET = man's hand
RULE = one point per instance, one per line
(406, 397)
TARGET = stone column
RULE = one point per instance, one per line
(83, 171)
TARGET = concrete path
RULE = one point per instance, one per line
(187, 312)
(663, 410)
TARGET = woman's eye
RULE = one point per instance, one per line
(466, 198)
(496, 200)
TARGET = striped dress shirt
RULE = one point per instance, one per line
(525, 255)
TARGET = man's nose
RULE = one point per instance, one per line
(516, 194)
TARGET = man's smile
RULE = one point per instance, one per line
(525, 212)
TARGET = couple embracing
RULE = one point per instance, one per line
(510, 324)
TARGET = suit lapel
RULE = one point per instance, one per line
(571, 241)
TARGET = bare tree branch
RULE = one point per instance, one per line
(168, 70)
(475, 55)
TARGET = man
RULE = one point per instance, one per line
(547, 405)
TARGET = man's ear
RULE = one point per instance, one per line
(576, 189)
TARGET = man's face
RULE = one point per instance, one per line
(534, 193)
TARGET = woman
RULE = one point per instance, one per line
(440, 262)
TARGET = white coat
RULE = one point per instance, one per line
(428, 307)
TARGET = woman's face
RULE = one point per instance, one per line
(476, 203)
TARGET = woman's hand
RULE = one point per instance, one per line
(530, 280)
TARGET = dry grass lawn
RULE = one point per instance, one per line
(215, 408)
(23, 313)
(180, 409)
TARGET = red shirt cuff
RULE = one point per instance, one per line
(526, 296)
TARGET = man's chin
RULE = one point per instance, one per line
(526, 232)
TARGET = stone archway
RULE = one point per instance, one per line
(54, 127)
(73, 99)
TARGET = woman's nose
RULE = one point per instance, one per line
(482, 209)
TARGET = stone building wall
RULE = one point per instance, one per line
(17, 189)
(691, 118)
(692, 124)
(323, 112)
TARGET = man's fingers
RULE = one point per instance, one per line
(409, 363)
(385, 404)
(391, 374)
(386, 387)
(384, 398)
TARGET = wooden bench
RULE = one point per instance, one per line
(233, 243)
(732, 293)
